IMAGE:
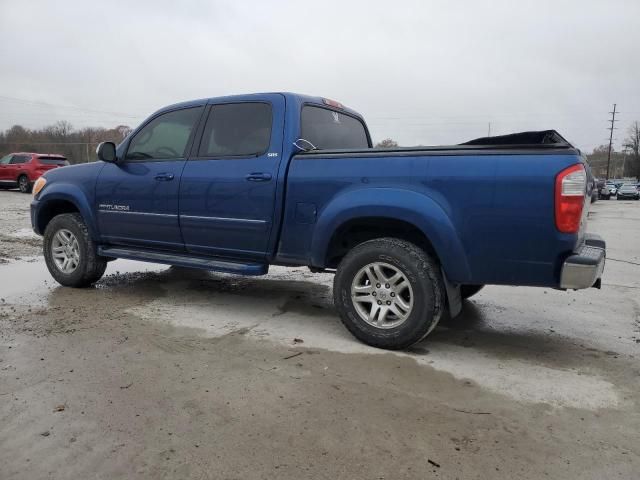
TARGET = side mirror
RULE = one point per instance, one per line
(107, 152)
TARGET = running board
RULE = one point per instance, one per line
(183, 260)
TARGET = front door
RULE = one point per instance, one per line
(137, 198)
(228, 187)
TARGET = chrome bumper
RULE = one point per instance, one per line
(584, 268)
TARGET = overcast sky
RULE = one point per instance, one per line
(422, 72)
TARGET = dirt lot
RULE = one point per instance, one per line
(167, 373)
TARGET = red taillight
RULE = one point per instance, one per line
(571, 184)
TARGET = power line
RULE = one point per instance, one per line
(71, 107)
(611, 129)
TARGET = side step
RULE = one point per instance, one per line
(183, 260)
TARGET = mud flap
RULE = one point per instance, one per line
(454, 299)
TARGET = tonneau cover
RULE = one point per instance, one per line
(542, 137)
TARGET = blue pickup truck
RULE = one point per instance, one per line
(235, 184)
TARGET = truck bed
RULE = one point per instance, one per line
(488, 208)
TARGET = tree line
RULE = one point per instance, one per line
(77, 145)
(624, 163)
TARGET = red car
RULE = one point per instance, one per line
(23, 169)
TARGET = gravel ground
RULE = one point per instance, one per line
(170, 373)
(16, 237)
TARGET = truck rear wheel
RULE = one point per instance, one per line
(389, 293)
(70, 253)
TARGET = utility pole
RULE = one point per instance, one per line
(489, 133)
(611, 128)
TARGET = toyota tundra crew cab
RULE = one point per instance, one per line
(235, 184)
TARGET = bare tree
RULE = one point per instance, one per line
(387, 143)
(123, 130)
(632, 145)
(62, 129)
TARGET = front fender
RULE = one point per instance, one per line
(68, 192)
(412, 207)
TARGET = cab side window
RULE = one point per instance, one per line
(165, 137)
(237, 130)
(6, 159)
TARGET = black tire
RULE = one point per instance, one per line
(423, 275)
(90, 267)
(24, 184)
(467, 291)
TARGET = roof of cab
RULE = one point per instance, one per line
(294, 98)
(57, 155)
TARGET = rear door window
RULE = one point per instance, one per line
(165, 137)
(329, 129)
(19, 159)
(237, 130)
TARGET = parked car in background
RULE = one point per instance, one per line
(613, 189)
(22, 169)
(628, 191)
(603, 190)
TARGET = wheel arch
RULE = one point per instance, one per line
(373, 213)
(59, 199)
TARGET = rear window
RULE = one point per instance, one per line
(53, 161)
(328, 129)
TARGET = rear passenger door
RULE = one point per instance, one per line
(15, 167)
(228, 186)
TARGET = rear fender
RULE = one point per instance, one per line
(409, 206)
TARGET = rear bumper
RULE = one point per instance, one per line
(583, 269)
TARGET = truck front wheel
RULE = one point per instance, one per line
(69, 252)
(389, 293)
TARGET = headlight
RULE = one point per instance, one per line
(39, 185)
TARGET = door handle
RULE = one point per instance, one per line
(164, 177)
(258, 177)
